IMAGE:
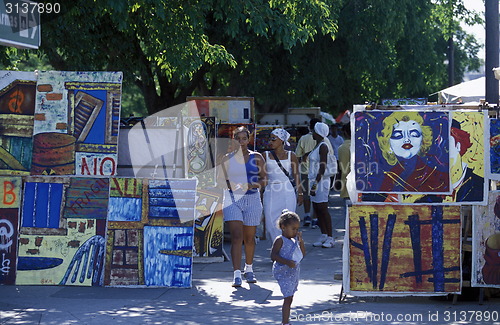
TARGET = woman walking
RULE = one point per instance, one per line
(245, 175)
(282, 170)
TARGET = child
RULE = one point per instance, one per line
(286, 253)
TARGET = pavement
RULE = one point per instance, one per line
(212, 299)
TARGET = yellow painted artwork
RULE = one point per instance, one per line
(404, 249)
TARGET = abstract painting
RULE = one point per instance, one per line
(59, 243)
(152, 245)
(199, 149)
(17, 106)
(494, 148)
(402, 152)
(10, 198)
(403, 249)
(209, 225)
(76, 123)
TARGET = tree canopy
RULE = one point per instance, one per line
(284, 53)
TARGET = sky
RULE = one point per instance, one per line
(477, 30)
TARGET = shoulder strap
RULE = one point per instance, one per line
(279, 164)
(227, 180)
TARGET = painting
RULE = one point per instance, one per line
(401, 152)
(468, 161)
(199, 148)
(486, 243)
(17, 107)
(153, 245)
(403, 249)
(494, 149)
(209, 225)
(10, 198)
(76, 123)
(59, 244)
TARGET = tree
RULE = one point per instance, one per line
(164, 46)
(284, 53)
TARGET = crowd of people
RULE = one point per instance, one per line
(286, 179)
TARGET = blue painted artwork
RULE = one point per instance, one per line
(168, 256)
(91, 253)
(29, 263)
(172, 199)
(495, 147)
(42, 205)
(124, 209)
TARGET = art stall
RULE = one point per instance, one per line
(87, 203)
(421, 174)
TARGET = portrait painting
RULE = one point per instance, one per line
(402, 152)
(468, 162)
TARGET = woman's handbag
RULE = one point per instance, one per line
(284, 170)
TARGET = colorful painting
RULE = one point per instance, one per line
(10, 198)
(209, 225)
(402, 152)
(494, 149)
(468, 158)
(59, 244)
(468, 161)
(486, 243)
(403, 249)
(17, 106)
(199, 148)
(87, 197)
(168, 256)
(152, 246)
(76, 123)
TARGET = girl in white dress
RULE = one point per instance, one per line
(279, 193)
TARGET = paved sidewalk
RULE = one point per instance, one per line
(213, 300)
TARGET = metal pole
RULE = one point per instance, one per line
(492, 50)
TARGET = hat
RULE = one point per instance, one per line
(282, 134)
(321, 129)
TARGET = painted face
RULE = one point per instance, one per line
(406, 139)
(291, 229)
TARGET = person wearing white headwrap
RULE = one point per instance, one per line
(279, 193)
(322, 165)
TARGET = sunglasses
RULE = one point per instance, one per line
(273, 139)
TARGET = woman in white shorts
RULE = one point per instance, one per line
(245, 175)
(319, 185)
